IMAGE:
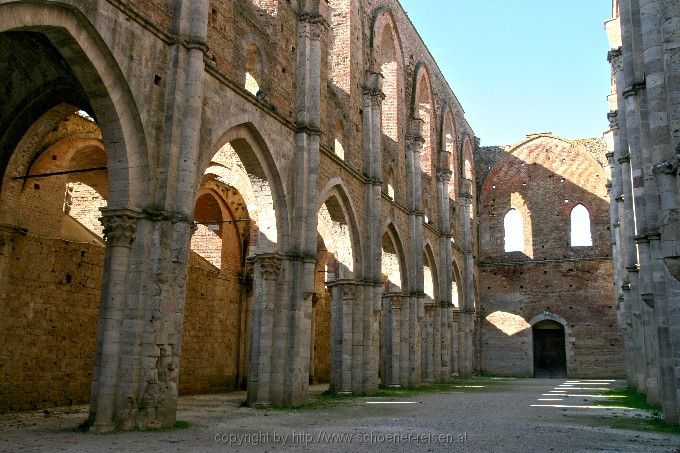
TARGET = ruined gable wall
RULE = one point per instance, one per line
(545, 178)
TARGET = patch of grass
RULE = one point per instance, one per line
(640, 424)
(473, 384)
(629, 397)
(181, 424)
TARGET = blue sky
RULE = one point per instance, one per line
(521, 66)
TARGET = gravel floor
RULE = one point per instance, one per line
(513, 416)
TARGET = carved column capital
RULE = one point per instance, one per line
(311, 26)
(444, 175)
(613, 118)
(270, 266)
(120, 226)
(613, 55)
(347, 288)
(373, 86)
(415, 134)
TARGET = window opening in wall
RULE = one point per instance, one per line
(253, 70)
(390, 183)
(514, 231)
(454, 293)
(428, 278)
(581, 235)
(338, 148)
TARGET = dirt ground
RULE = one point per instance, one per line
(514, 415)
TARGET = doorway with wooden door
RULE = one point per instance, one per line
(550, 358)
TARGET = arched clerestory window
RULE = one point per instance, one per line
(253, 69)
(339, 138)
(581, 235)
(514, 231)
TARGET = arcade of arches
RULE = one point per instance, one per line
(262, 197)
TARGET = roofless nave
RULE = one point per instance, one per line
(287, 193)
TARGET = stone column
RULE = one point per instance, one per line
(468, 312)
(443, 345)
(343, 300)
(630, 284)
(391, 349)
(417, 276)
(266, 300)
(120, 228)
(637, 142)
(615, 199)
(660, 121)
(294, 321)
(372, 272)
(140, 331)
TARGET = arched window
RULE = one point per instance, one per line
(339, 132)
(581, 235)
(455, 298)
(514, 231)
(390, 183)
(253, 69)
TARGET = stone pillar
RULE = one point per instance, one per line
(266, 301)
(368, 360)
(289, 383)
(120, 228)
(391, 346)
(630, 281)
(143, 291)
(444, 334)
(427, 343)
(342, 303)
(615, 199)
(468, 312)
(415, 230)
(660, 121)
(635, 112)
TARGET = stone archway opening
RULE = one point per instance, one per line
(334, 282)
(60, 168)
(550, 356)
(51, 261)
(235, 223)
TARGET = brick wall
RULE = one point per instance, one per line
(544, 178)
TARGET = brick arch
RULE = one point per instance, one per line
(254, 154)
(102, 81)
(233, 206)
(384, 18)
(387, 58)
(512, 154)
(342, 210)
(422, 107)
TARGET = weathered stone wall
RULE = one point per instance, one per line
(643, 144)
(275, 84)
(48, 323)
